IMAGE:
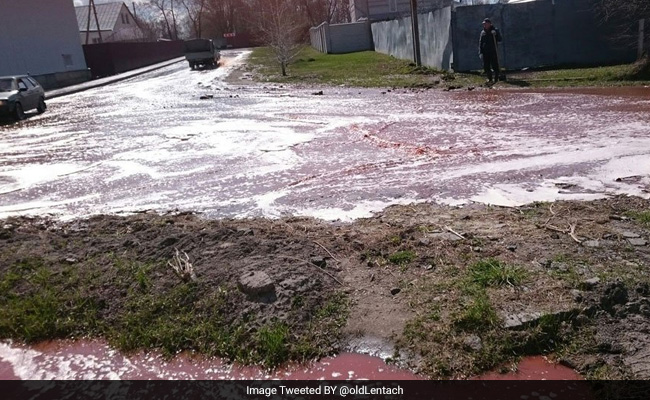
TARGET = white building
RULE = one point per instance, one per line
(41, 38)
(116, 24)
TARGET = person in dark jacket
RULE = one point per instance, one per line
(487, 49)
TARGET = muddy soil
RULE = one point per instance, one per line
(402, 276)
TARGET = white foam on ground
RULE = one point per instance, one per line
(25, 176)
(362, 209)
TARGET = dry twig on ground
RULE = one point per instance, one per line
(328, 252)
(314, 265)
(182, 266)
(454, 232)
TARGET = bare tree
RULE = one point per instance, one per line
(222, 16)
(330, 11)
(195, 14)
(623, 18)
(146, 18)
(281, 28)
(168, 14)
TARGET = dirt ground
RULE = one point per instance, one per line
(453, 291)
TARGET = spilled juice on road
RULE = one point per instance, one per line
(94, 360)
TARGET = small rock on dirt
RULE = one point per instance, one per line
(446, 236)
(577, 295)
(395, 291)
(630, 235)
(590, 283)
(319, 261)
(637, 242)
(256, 283)
(514, 321)
(559, 266)
(591, 243)
(473, 342)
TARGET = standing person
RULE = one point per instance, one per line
(487, 49)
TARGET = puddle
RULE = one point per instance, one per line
(535, 368)
(95, 360)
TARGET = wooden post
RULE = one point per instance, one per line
(641, 37)
(415, 31)
(99, 29)
(88, 25)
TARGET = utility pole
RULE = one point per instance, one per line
(88, 25)
(91, 5)
(99, 29)
(415, 31)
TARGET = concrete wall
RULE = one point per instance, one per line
(62, 79)
(395, 38)
(341, 38)
(537, 33)
(320, 38)
(39, 37)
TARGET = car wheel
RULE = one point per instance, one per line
(19, 113)
(41, 106)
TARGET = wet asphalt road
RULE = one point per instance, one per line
(150, 142)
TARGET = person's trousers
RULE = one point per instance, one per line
(491, 62)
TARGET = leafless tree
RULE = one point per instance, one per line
(330, 11)
(147, 19)
(281, 28)
(623, 18)
(195, 10)
(223, 16)
(168, 12)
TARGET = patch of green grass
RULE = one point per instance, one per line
(615, 75)
(372, 69)
(361, 69)
(43, 301)
(323, 331)
(642, 217)
(272, 344)
(402, 257)
(419, 328)
(33, 308)
(492, 272)
(478, 316)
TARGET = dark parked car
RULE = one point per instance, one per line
(19, 94)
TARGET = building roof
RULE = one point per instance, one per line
(107, 14)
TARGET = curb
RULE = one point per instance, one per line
(109, 80)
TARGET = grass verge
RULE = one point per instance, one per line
(129, 305)
(615, 75)
(372, 69)
(466, 336)
(362, 69)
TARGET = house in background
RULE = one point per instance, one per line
(376, 10)
(41, 38)
(116, 24)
